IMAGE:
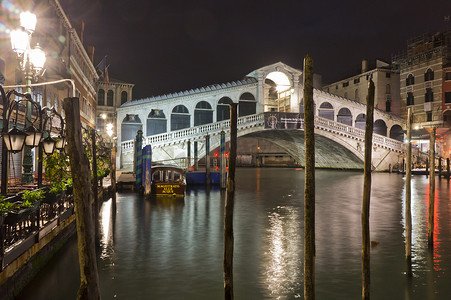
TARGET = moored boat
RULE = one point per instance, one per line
(168, 180)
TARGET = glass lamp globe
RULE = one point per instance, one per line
(37, 58)
(19, 41)
(28, 21)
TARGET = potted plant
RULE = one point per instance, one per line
(55, 193)
(5, 208)
(30, 201)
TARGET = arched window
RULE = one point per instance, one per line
(380, 127)
(156, 122)
(180, 118)
(129, 127)
(429, 75)
(397, 133)
(410, 80)
(326, 110)
(203, 114)
(101, 97)
(410, 99)
(123, 97)
(223, 109)
(344, 116)
(110, 98)
(247, 105)
(429, 95)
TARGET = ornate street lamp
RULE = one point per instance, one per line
(31, 62)
(14, 140)
(60, 143)
(33, 136)
(49, 145)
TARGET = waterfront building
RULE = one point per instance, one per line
(424, 81)
(66, 58)
(386, 83)
(110, 96)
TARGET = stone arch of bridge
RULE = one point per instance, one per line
(337, 153)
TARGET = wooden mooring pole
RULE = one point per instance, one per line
(309, 192)
(228, 217)
(447, 168)
(366, 282)
(89, 279)
(95, 185)
(408, 209)
(431, 189)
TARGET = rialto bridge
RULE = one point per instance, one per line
(267, 99)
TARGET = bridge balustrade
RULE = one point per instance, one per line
(257, 120)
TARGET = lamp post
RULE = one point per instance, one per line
(31, 62)
(13, 139)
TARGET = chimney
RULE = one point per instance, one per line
(90, 51)
(364, 65)
(80, 28)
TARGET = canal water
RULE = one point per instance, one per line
(172, 249)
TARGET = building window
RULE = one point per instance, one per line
(387, 75)
(429, 75)
(336, 87)
(410, 80)
(429, 116)
(356, 94)
(409, 99)
(109, 98)
(356, 80)
(123, 97)
(101, 97)
(447, 97)
(387, 89)
(429, 96)
(447, 75)
(388, 106)
(345, 84)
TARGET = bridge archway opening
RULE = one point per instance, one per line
(326, 110)
(380, 127)
(277, 92)
(344, 116)
(156, 122)
(397, 133)
(180, 118)
(203, 114)
(247, 105)
(360, 121)
(223, 109)
(129, 126)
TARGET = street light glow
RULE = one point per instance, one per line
(19, 41)
(28, 21)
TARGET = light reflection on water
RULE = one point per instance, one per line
(165, 249)
(282, 262)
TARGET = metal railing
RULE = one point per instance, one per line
(22, 229)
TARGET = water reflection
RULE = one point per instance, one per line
(282, 254)
(174, 250)
(106, 230)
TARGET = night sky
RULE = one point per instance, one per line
(165, 46)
